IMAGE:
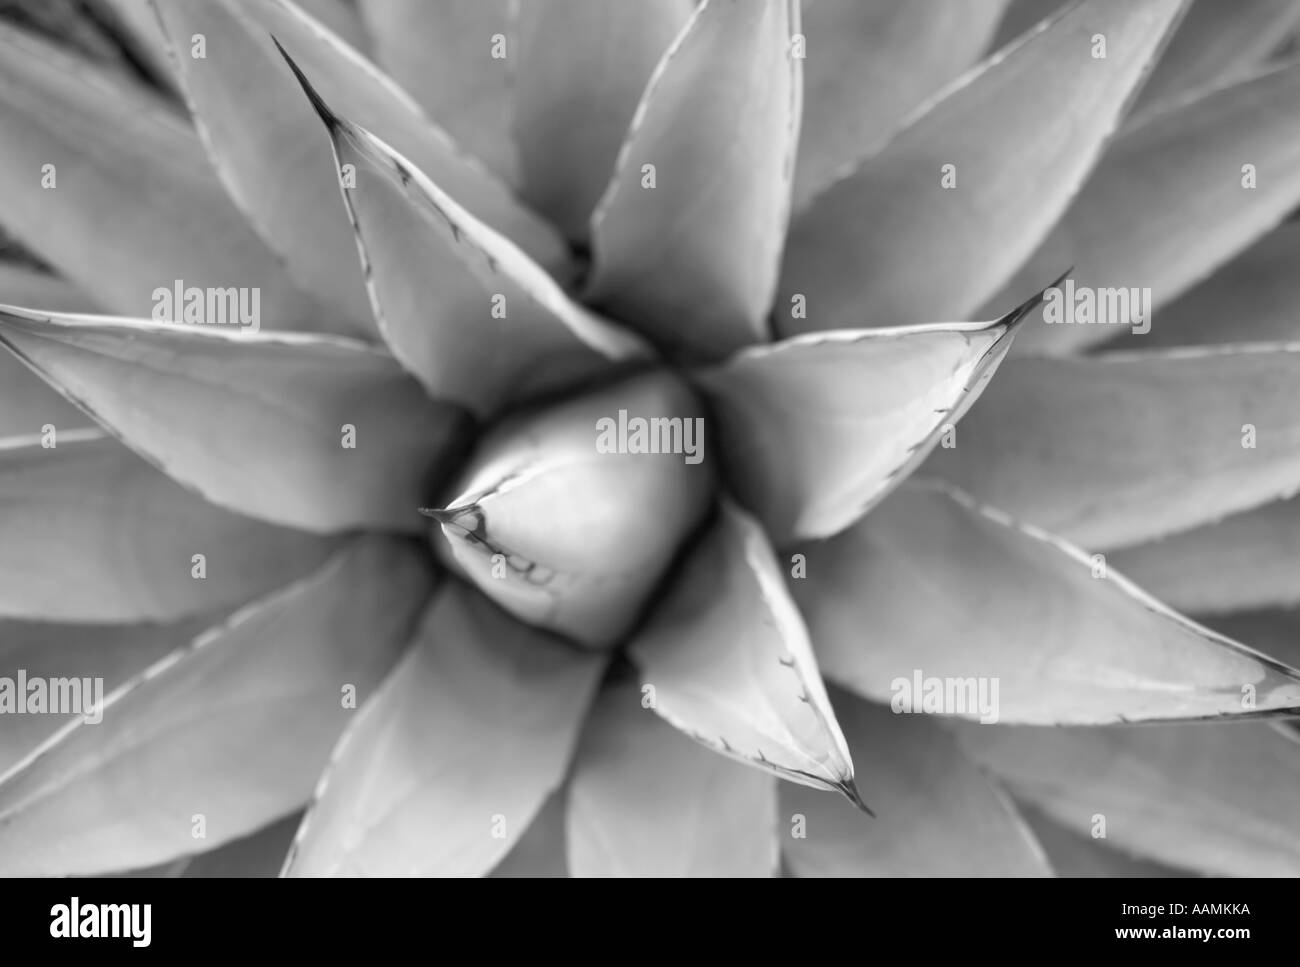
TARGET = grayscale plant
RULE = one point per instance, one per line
(644, 437)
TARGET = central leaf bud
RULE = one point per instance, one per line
(568, 516)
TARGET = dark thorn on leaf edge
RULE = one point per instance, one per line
(329, 117)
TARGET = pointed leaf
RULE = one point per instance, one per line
(728, 661)
(256, 423)
(463, 308)
(273, 156)
(647, 801)
(1251, 299)
(1171, 200)
(448, 764)
(234, 726)
(51, 651)
(1248, 560)
(1123, 448)
(582, 67)
(1217, 798)
(868, 65)
(262, 147)
(90, 532)
(456, 58)
(692, 261)
(814, 437)
(936, 603)
(936, 813)
(130, 185)
(1020, 133)
(446, 152)
(568, 516)
(1218, 43)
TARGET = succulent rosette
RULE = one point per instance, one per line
(468, 437)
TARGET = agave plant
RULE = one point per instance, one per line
(461, 436)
